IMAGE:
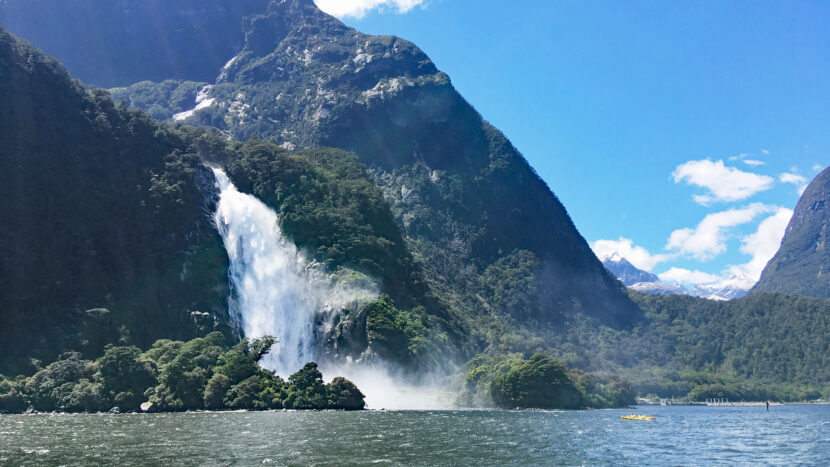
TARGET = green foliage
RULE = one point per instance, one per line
(125, 376)
(260, 347)
(329, 205)
(510, 381)
(405, 336)
(343, 394)
(307, 389)
(162, 100)
(217, 386)
(11, 399)
(105, 212)
(201, 373)
(541, 382)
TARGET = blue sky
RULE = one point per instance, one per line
(678, 133)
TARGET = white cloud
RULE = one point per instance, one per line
(359, 8)
(795, 179)
(818, 167)
(685, 276)
(754, 162)
(636, 255)
(722, 183)
(708, 239)
(763, 244)
(765, 151)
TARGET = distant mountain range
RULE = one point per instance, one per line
(646, 282)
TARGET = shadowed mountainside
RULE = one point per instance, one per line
(798, 267)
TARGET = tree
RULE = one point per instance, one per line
(260, 347)
(343, 394)
(541, 382)
(215, 390)
(125, 376)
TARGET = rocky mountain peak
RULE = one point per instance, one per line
(626, 272)
(799, 266)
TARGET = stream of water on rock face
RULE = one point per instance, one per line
(275, 291)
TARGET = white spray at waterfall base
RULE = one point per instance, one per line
(277, 292)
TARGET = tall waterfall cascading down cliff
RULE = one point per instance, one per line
(268, 277)
(275, 290)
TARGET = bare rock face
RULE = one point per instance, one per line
(802, 264)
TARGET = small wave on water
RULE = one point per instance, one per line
(680, 435)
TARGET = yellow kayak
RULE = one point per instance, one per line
(636, 417)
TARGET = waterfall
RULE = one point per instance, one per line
(275, 291)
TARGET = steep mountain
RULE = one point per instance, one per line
(103, 236)
(121, 42)
(798, 267)
(491, 236)
(626, 272)
(109, 234)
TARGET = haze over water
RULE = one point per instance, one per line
(793, 434)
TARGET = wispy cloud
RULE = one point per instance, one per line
(754, 162)
(721, 182)
(636, 255)
(761, 246)
(799, 181)
(818, 167)
(686, 276)
(708, 239)
(359, 8)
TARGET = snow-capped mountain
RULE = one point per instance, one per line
(643, 281)
(735, 287)
(626, 272)
(660, 288)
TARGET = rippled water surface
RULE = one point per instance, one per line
(680, 435)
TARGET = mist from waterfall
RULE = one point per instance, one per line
(275, 290)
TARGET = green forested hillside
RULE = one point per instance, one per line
(104, 237)
(109, 237)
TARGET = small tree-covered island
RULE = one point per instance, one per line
(204, 373)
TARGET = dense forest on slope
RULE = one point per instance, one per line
(104, 236)
(798, 266)
(211, 372)
(109, 235)
(121, 42)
